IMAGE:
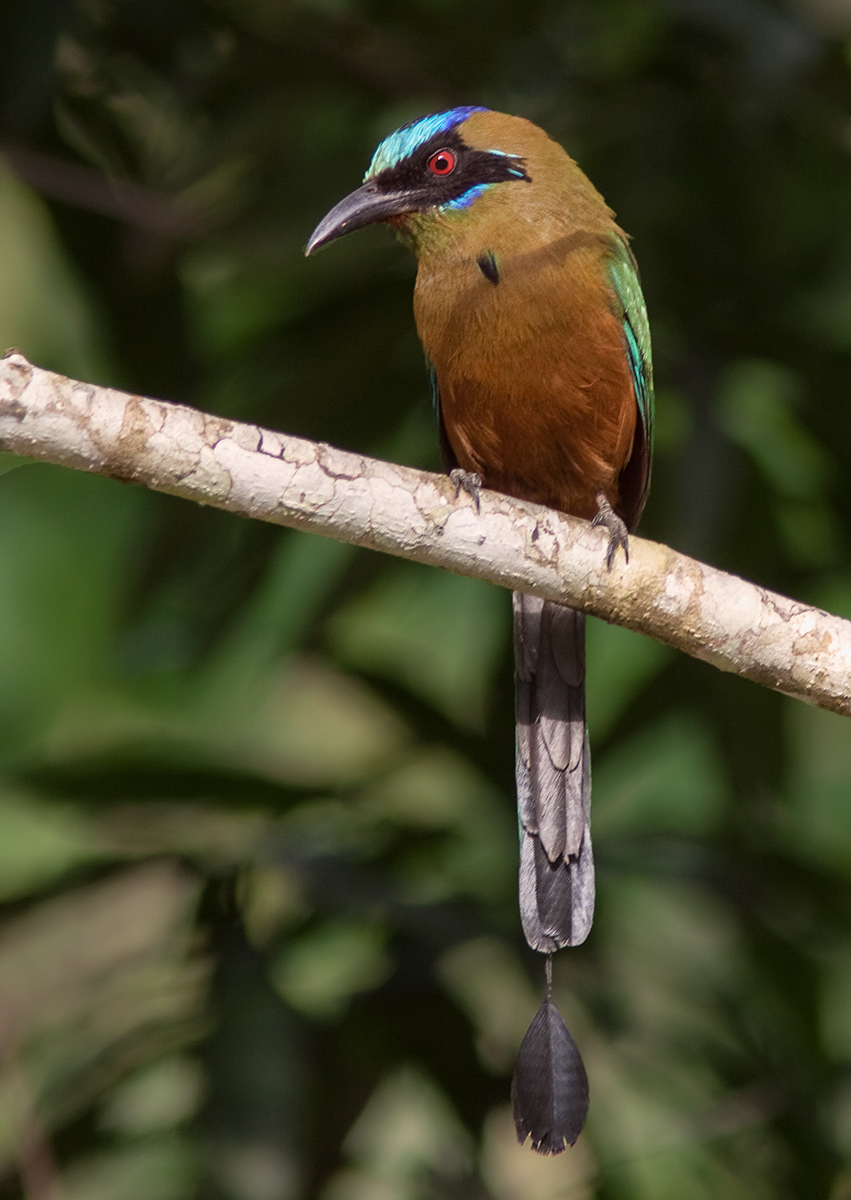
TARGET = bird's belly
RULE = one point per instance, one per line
(551, 419)
(535, 389)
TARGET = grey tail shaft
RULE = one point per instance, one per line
(553, 774)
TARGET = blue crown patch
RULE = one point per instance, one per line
(404, 141)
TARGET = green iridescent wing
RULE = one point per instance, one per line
(623, 271)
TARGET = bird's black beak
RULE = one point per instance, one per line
(368, 205)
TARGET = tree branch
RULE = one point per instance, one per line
(244, 469)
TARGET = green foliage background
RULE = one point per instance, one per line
(259, 937)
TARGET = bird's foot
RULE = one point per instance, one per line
(469, 482)
(618, 533)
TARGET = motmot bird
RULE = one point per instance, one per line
(530, 310)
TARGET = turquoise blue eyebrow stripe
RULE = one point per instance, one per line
(404, 141)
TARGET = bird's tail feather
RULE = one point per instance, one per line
(549, 1091)
(553, 774)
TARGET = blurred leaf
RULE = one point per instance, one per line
(619, 664)
(95, 982)
(438, 790)
(440, 634)
(158, 1170)
(405, 1139)
(321, 727)
(668, 777)
(512, 1173)
(44, 311)
(758, 411)
(63, 542)
(39, 843)
(159, 1097)
(675, 960)
(10, 462)
(816, 820)
(274, 901)
(320, 971)
(487, 980)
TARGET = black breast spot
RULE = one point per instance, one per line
(488, 267)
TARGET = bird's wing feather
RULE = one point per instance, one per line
(623, 271)
(624, 275)
(447, 454)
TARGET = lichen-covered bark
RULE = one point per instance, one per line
(257, 473)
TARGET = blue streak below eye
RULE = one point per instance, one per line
(467, 198)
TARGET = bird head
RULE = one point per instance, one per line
(431, 169)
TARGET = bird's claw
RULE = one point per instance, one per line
(618, 533)
(469, 482)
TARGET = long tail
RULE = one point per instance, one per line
(553, 774)
(550, 1087)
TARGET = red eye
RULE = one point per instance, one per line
(442, 163)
